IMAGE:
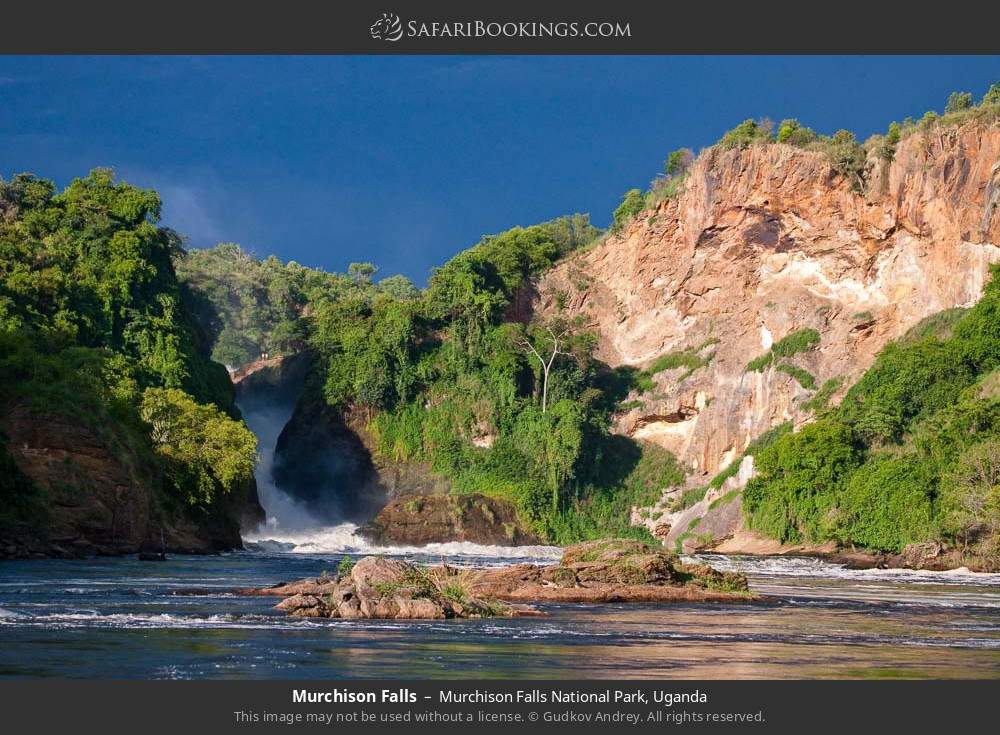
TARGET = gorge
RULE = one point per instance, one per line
(774, 297)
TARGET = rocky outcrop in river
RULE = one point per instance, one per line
(611, 570)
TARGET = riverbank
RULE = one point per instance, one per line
(929, 556)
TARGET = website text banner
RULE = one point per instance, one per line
(499, 706)
(448, 26)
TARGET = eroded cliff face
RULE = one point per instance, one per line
(99, 496)
(767, 241)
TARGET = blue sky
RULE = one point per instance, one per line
(404, 161)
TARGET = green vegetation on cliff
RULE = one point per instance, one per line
(846, 155)
(502, 408)
(911, 454)
(798, 341)
(93, 322)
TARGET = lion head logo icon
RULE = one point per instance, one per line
(387, 28)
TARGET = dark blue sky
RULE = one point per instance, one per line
(404, 161)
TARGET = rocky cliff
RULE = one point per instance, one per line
(764, 243)
(98, 494)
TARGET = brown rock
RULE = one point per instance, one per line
(374, 571)
(918, 556)
(612, 570)
(102, 493)
(766, 241)
(417, 520)
(298, 603)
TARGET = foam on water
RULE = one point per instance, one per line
(809, 567)
(344, 539)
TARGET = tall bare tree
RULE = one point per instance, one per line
(554, 338)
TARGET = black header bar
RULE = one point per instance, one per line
(511, 27)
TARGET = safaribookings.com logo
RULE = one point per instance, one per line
(387, 28)
(390, 28)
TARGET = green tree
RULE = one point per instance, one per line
(970, 494)
(205, 452)
(847, 157)
(399, 287)
(745, 134)
(792, 132)
(992, 96)
(886, 504)
(361, 273)
(678, 162)
(958, 101)
(798, 480)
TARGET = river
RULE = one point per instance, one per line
(122, 618)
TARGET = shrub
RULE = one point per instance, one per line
(847, 157)
(603, 507)
(798, 480)
(903, 385)
(887, 503)
(633, 202)
(977, 335)
(205, 451)
(759, 363)
(758, 445)
(723, 499)
(803, 377)
(887, 148)
(822, 397)
(792, 344)
(691, 496)
(678, 162)
(992, 96)
(938, 326)
(796, 342)
(970, 494)
(665, 187)
(912, 452)
(794, 133)
(689, 359)
(745, 134)
(345, 566)
(958, 101)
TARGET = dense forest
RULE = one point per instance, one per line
(94, 325)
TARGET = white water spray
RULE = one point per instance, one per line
(291, 528)
(283, 513)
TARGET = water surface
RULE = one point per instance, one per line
(178, 619)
